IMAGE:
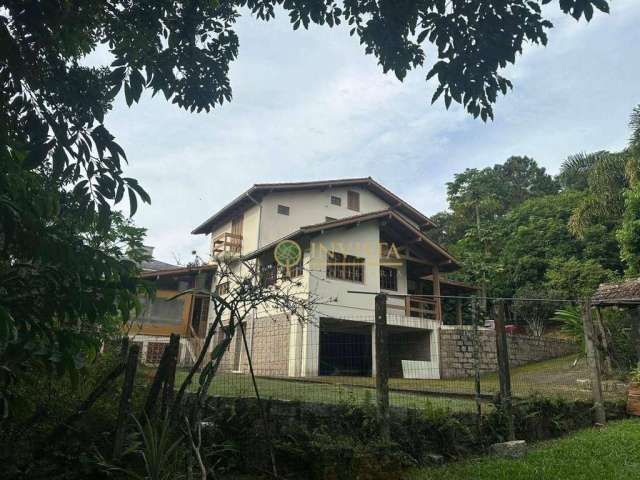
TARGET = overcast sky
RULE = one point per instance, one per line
(309, 105)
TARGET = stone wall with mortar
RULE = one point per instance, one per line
(268, 340)
(457, 347)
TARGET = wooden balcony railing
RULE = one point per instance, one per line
(227, 243)
(417, 307)
(420, 307)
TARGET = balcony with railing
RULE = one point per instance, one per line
(227, 242)
(424, 307)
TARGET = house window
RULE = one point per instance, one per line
(268, 274)
(222, 288)
(388, 278)
(353, 200)
(283, 210)
(345, 267)
(155, 350)
(329, 219)
(336, 200)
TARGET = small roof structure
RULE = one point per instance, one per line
(154, 265)
(178, 271)
(621, 293)
(254, 194)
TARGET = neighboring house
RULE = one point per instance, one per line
(356, 236)
(185, 315)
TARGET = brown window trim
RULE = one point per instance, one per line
(393, 279)
(353, 200)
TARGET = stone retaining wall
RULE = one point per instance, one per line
(456, 350)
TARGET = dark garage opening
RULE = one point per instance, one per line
(345, 348)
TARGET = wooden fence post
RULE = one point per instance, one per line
(504, 372)
(593, 362)
(168, 390)
(382, 365)
(168, 357)
(124, 410)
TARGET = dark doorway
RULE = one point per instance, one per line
(345, 348)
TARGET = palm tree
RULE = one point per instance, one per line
(605, 177)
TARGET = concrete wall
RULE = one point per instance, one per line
(456, 350)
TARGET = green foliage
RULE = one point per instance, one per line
(157, 447)
(612, 194)
(619, 324)
(606, 180)
(570, 319)
(629, 233)
(491, 192)
(573, 278)
(533, 307)
(322, 441)
(67, 283)
(40, 402)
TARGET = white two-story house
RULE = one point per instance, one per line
(357, 239)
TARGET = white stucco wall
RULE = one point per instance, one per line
(307, 207)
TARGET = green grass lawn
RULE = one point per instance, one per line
(239, 385)
(612, 453)
(556, 377)
(551, 378)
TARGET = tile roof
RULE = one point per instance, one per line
(622, 293)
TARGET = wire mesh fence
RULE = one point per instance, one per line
(451, 364)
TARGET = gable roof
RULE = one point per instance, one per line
(623, 293)
(259, 190)
(388, 214)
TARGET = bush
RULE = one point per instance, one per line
(342, 441)
(40, 402)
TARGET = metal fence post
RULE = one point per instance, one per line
(504, 372)
(593, 362)
(382, 365)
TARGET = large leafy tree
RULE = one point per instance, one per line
(532, 247)
(62, 170)
(482, 196)
(478, 199)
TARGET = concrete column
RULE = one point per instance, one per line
(311, 348)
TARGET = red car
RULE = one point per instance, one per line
(514, 329)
